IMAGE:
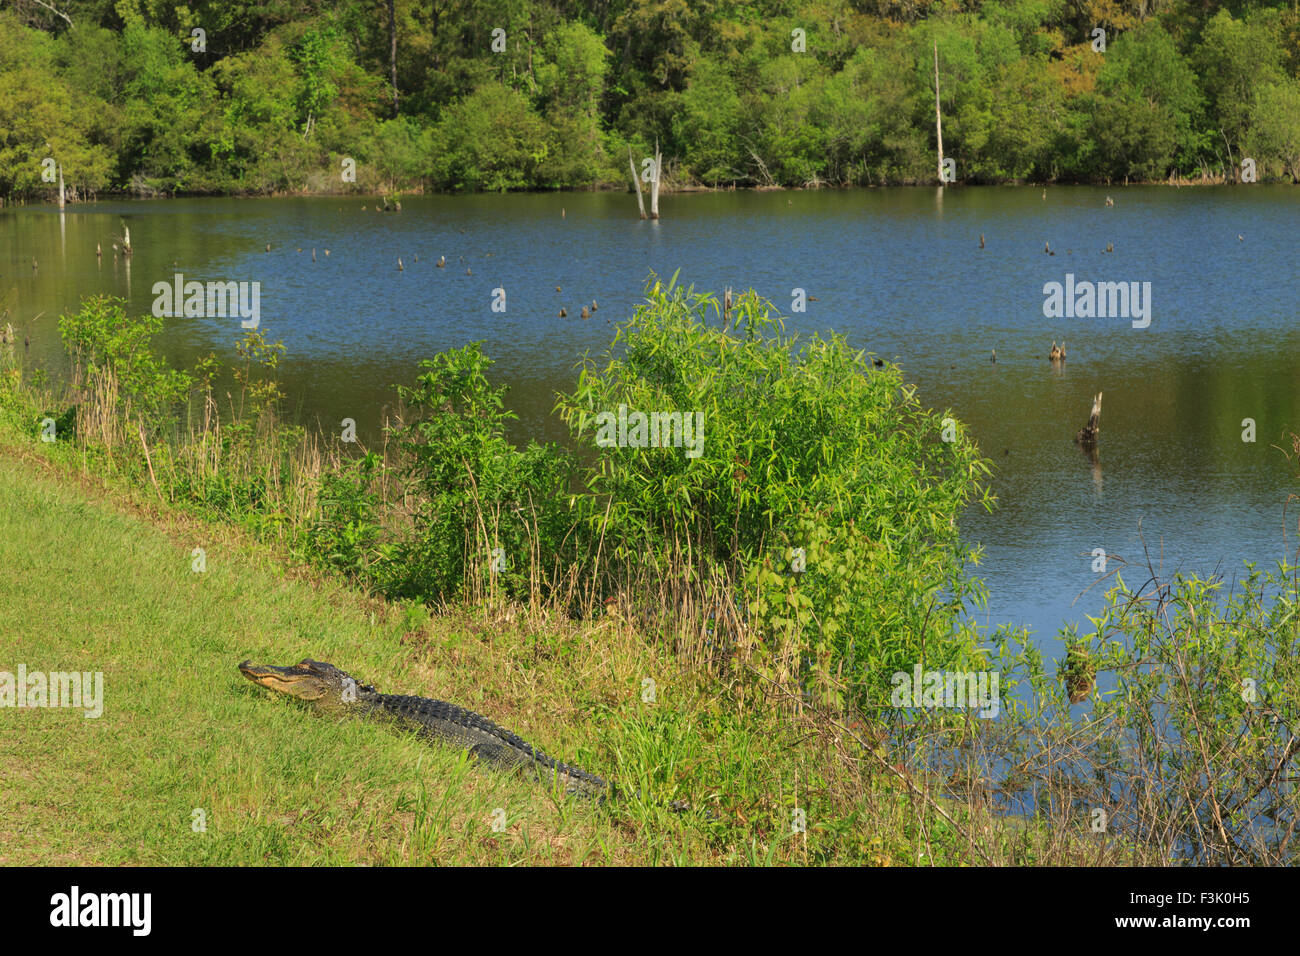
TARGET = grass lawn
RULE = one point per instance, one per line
(191, 764)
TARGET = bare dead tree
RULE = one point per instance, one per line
(654, 183)
(59, 13)
(938, 117)
(636, 183)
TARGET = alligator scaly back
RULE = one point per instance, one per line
(330, 690)
(437, 719)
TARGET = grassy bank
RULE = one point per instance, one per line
(93, 583)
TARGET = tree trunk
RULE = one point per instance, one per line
(938, 117)
(392, 49)
(654, 184)
(1089, 433)
(636, 182)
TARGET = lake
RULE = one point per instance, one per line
(898, 271)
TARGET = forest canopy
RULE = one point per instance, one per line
(275, 96)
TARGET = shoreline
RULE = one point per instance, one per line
(602, 188)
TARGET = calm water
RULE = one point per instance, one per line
(899, 271)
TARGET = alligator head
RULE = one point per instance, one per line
(323, 685)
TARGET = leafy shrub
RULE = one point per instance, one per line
(804, 447)
(105, 340)
(1184, 725)
(346, 532)
(490, 140)
(480, 497)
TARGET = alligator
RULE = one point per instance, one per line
(331, 691)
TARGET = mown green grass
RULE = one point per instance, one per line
(86, 587)
(97, 584)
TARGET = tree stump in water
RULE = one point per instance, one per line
(654, 184)
(636, 183)
(1089, 433)
(1079, 673)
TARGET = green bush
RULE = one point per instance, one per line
(1176, 714)
(490, 140)
(488, 511)
(106, 341)
(346, 532)
(805, 446)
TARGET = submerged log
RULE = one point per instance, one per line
(1089, 433)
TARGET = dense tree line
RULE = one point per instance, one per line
(273, 95)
